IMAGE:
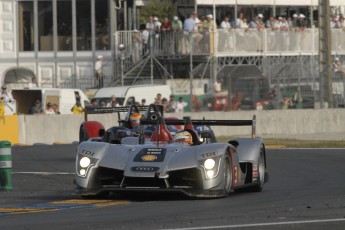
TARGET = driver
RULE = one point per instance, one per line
(183, 137)
(134, 120)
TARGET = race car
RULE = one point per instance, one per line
(162, 163)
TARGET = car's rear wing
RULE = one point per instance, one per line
(123, 109)
(209, 123)
(152, 111)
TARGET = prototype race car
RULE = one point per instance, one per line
(180, 164)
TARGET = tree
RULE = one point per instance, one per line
(158, 8)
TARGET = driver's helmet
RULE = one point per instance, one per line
(134, 119)
(183, 137)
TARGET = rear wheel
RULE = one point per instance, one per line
(227, 177)
(261, 172)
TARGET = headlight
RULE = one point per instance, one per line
(210, 173)
(84, 162)
(209, 164)
(82, 172)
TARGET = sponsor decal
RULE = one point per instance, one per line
(144, 169)
(87, 152)
(151, 155)
(149, 158)
(207, 155)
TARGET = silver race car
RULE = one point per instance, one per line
(187, 163)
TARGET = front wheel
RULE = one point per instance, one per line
(227, 177)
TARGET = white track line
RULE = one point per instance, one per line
(261, 224)
(45, 173)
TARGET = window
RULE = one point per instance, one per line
(83, 24)
(45, 25)
(64, 25)
(102, 25)
(26, 26)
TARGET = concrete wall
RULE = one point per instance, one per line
(283, 123)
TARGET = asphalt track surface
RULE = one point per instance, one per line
(306, 191)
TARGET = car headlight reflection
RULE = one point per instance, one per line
(84, 162)
(209, 164)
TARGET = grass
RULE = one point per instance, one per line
(292, 143)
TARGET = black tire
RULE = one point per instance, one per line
(261, 171)
(227, 176)
(83, 136)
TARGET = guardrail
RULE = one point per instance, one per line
(233, 42)
(293, 124)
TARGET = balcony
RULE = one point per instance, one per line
(234, 42)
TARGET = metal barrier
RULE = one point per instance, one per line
(5, 165)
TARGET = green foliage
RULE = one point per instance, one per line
(158, 8)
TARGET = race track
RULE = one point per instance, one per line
(306, 191)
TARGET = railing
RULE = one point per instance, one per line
(250, 42)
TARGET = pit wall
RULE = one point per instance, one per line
(49, 129)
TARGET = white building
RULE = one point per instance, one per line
(57, 41)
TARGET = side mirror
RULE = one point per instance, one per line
(101, 132)
(205, 135)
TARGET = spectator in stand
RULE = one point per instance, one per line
(293, 35)
(7, 100)
(36, 108)
(297, 100)
(235, 102)
(257, 23)
(143, 102)
(158, 99)
(158, 24)
(33, 84)
(301, 24)
(167, 44)
(339, 67)
(164, 104)
(56, 108)
(99, 72)
(225, 36)
(77, 108)
(271, 35)
(196, 104)
(275, 98)
(286, 103)
(239, 21)
(171, 105)
(180, 105)
(151, 28)
(103, 104)
(190, 27)
(217, 86)
(49, 109)
(208, 26)
(166, 24)
(113, 102)
(177, 29)
(145, 40)
(137, 46)
(284, 28)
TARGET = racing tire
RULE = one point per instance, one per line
(83, 136)
(227, 177)
(262, 172)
